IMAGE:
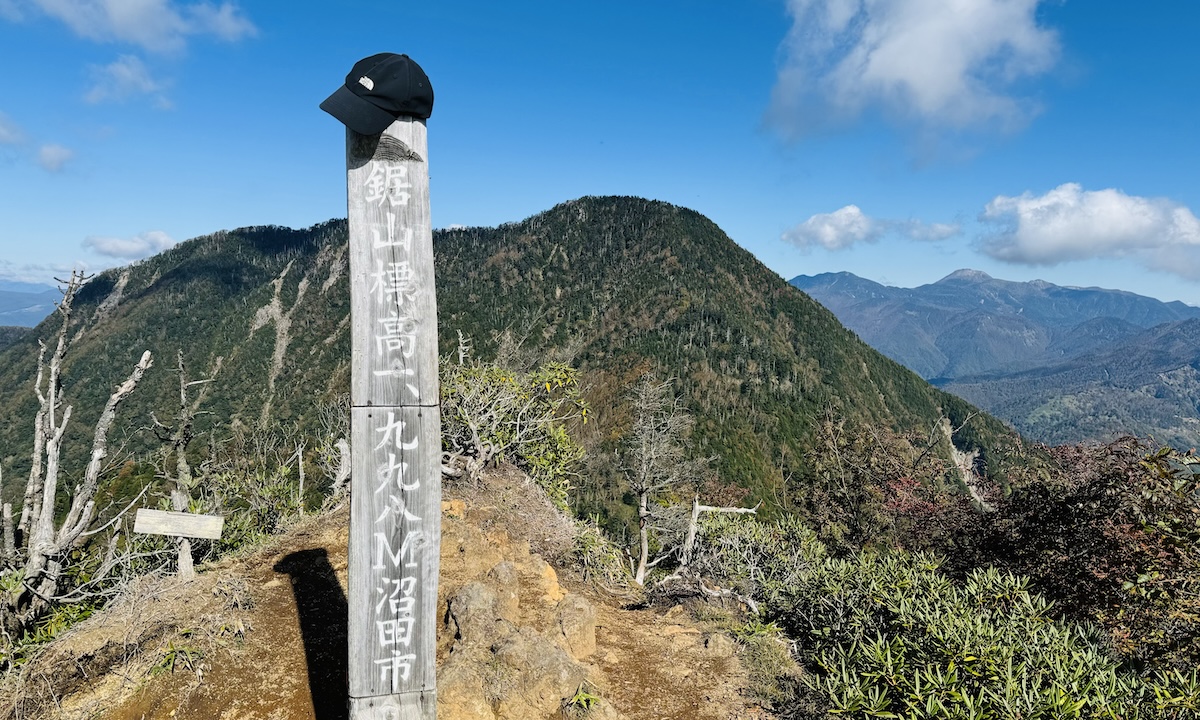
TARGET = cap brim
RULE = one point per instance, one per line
(359, 115)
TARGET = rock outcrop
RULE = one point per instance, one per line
(517, 644)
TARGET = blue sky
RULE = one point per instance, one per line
(896, 139)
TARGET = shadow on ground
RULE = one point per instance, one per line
(324, 616)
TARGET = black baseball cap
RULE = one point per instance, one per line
(378, 90)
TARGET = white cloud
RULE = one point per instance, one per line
(122, 79)
(139, 246)
(849, 226)
(225, 21)
(53, 157)
(10, 133)
(836, 230)
(154, 25)
(1069, 223)
(926, 232)
(939, 64)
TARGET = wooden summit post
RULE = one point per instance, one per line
(395, 427)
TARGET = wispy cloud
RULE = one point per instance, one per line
(122, 79)
(1069, 223)
(154, 25)
(53, 157)
(936, 64)
(134, 248)
(849, 226)
(10, 132)
(38, 274)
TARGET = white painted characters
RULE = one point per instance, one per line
(395, 239)
(395, 283)
(388, 183)
(399, 665)
(399, 335)
(385, 557)
(392, 272)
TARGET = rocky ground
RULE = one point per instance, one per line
(263, 637)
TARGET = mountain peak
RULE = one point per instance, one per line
(967, 275)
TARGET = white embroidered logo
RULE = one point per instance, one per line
(366, 82)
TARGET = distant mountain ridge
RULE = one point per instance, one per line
(1062, 364)
(25, 306)
(970, 323)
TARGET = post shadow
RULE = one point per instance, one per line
(324, 617)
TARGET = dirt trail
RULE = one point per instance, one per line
(263, 637)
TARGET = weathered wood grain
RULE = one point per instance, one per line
(395, 428)
(178, 524)
(395, 521)
(394, 310)
(410, 706)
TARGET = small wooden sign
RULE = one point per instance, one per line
(177, 524)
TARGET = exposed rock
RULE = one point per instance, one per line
(461, 693)
(577, 626)
(511, 660)
(507, 583)
(454, 508)
(548, 676)
(473, 614)
(549, 590)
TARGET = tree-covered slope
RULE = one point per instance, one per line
(9, 334)
(627, 284)
(633, 283)
(1147, 384)
(260, 310)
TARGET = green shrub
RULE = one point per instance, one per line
(256, 503)
(1113, 537)
(492, 413)
(887, 634)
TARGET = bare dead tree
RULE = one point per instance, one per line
(464, 348)
(176, 441)
(689, 542)
(48, 544)
(33, 488)
(9, 554)
(655, 457)
(333, 449)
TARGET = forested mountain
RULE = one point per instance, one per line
(9, 334)
(621, 285)
(1146, 385)
(1064, 365)
(969, 323)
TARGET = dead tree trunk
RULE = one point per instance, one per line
(43, 569)
(48, 546)
(9, 553)
(654, 457)
(178, 439)
(33, 487)
(689, 541)
(643, 537)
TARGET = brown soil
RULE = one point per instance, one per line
(263, 637)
